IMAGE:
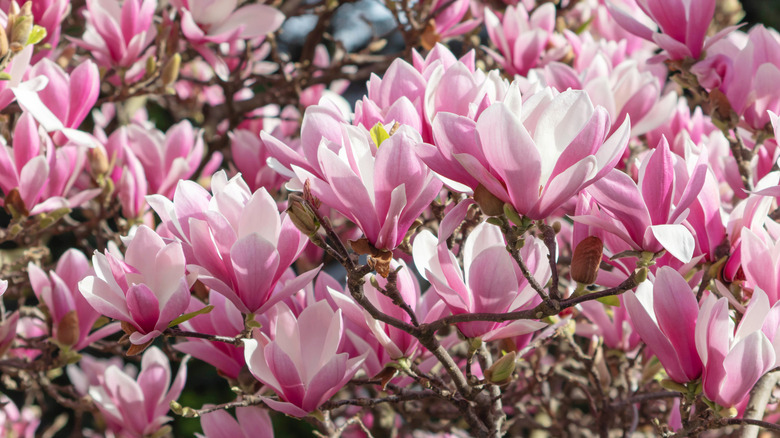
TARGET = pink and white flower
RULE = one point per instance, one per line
(301, 364)
(148, 289)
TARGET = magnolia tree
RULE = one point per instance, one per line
(547, 218)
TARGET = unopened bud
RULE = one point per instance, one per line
(500, 373)
(586, 260)
(20, 32)
(68, 329)
(3, 42)
(171, 70)
(15, 204)
(488, 202)
(302, 216)
(98, 162)
(26, 9)
(151, 66)
(641, 275)
(176, 407)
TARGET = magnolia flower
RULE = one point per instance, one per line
(69, 96)
(664, 314)
(135, 406)
(624, 89)
(301, 363)
(72, 316)
(382, 188)
(648, 215)
(15, 423)
(118, 34)
(490, 280)
(395, 343)
(236, 241)
(218, 21)
(223, 320)
(522, 39)
(250, 422)
(41, 174)
(683, 25)
(733, 360)
(148, 289)
(535, 155)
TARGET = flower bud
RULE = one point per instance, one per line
(500, 373)
(20, 32)
(488, 202)
(15, 204)
(641, 275)
(3, 43)
(68, 329)
(171, 70)
(301, 215)
(586, 260)
(98, 162)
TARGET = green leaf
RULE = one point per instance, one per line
(189, 316)
(378, 134)
(37, 34)
(611, 300)
(5, 76)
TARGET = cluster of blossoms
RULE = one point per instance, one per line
(569, 225)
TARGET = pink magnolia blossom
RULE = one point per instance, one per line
(664, 314)
(236, 240)
(250, 422)
(733, 360)
(118, 33)
(148, 289)
(70, 97)
(523, 40)
(613, 326)
(396, 97)
(396, 343)
(624, 90)
(486, 283)
(42, 173)
(448, 21)
(683, 125)
(250, 156)
(535, 155)
(169, 157)
(682, 24)
(15, 423)
(603, 27)
(761, 263)
(218, 21)
(29, 327)
(59, 292)
(381, 188)
(132, 187)
(224, 320)
(413, 94)
(648, 215)
(91, 371)
(747, 75)
(301, 364)
(135, 406)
